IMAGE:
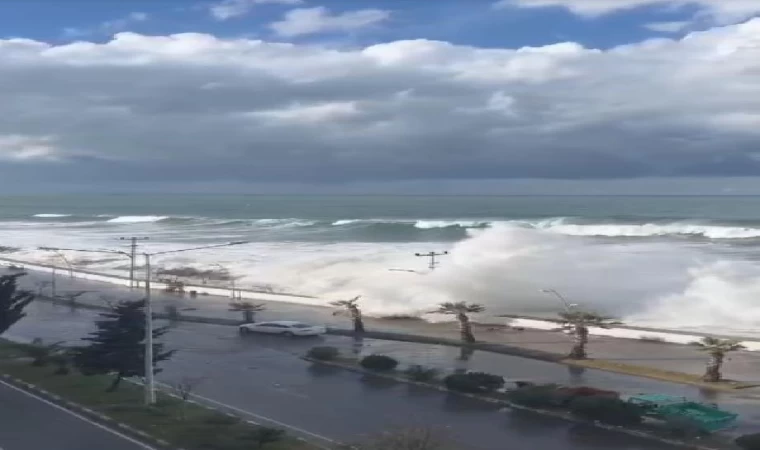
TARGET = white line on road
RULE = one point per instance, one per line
(79, 416)
(257, 416)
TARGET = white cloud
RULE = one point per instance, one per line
(229, 9)
(197, 107)
(723, 11)
(668, 27)
(304, 21)
(26, 148)
(108, 27)
(324, 112)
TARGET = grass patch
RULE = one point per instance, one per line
(185, 425)
(657, 374)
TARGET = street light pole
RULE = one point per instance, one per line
(433, 263)
(150, 388)
(133, 254)
(150, 392)
(562, 299)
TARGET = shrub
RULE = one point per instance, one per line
(474, 382)
(380, 363)
(606, 410)
(324, 353)
(538, 396)
(749, 441)
(417, 372)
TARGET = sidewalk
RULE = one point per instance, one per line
(740, 366)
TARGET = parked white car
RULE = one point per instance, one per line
(283, 327)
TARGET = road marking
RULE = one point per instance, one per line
(257, 416)
(79, 416)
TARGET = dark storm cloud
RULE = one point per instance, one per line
(193, 108)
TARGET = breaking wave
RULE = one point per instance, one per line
(560, 226)
(137, 219)
(51, 216)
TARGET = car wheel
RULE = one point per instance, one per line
(288, 334)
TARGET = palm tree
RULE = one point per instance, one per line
(579, 322)
(248, 309)
(353, 310)
(717, 349)
(461, 309)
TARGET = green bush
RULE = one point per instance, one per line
(474, 382)
(325, 353)
(539, 396)
(749, 441)
(424, 374)
(380, 363)
(607, 410)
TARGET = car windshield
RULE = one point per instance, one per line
(300, 325)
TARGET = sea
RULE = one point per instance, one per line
(682, 262)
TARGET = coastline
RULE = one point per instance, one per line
(625, 331)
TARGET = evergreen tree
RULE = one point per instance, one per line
(12, 301)
(117, 346)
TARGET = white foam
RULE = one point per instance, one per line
(561, 226)
(430, 224)
(285, 223)
(51, 216)
(338, 223)
(137, 219)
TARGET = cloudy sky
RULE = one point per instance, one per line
(296, 94)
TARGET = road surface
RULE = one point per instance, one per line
(263, 378)
(31, 423)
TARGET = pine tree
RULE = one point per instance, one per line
(117, 346)
(12, 301)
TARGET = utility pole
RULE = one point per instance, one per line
(433, 263)
(132, 255)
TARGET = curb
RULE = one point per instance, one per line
(91, 414)
(514, 406)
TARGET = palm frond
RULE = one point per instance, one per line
(459, 307)
(346, 303)
(588, 318)
(711, 344)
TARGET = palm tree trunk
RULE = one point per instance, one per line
(115, 384)
(356, 316)
(712, 374)
(248, 316)
(465, 328)
(579, 345)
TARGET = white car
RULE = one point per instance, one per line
(283, 327)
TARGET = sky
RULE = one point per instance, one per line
(383, 95)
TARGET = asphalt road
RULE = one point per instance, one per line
(264, 378)
(31, 423)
